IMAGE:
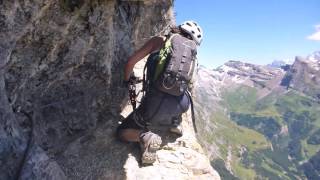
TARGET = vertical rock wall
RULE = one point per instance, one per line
(61, 66)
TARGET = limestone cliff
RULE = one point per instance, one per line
(61, 89)
(304, 75)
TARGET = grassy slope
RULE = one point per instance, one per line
(238, 137)
(228, 134)
(273, 164)
(293, 102)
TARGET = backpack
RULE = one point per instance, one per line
(175, 65)
(171, 69)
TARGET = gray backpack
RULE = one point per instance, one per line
(176, 63)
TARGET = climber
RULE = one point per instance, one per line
(167, 85)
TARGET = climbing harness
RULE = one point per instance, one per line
(132, 90)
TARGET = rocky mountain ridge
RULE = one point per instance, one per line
(235, 73)
(304, 75)
(260, 121)
(314, 57)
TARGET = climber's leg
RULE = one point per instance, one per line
(130, 129)
(133, 131)
(129, 135)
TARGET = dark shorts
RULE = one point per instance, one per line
(157, 109)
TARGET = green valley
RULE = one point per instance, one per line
(290, 121)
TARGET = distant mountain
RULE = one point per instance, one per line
(279, 63)
(261, 121)
(304, 75)
(314, 56)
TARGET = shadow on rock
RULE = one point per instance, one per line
(97, 155)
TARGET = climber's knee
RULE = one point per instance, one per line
(129, 131)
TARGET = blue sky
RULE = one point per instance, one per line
(253, 31)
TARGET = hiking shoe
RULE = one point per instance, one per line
(177, 130)
(176, 126)
(149, 143)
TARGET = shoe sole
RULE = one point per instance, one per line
(176, 131)
(149, 156)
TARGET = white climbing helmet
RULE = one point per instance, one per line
(193, 29)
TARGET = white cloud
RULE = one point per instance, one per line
(315, 36)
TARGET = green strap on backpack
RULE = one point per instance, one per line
(163, 54)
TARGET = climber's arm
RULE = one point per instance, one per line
(152, 45)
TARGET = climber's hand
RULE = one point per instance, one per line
(133, 79)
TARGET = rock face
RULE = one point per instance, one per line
(61, 92)
(304, 75)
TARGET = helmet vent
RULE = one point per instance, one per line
(192, 32)
(188, 24)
